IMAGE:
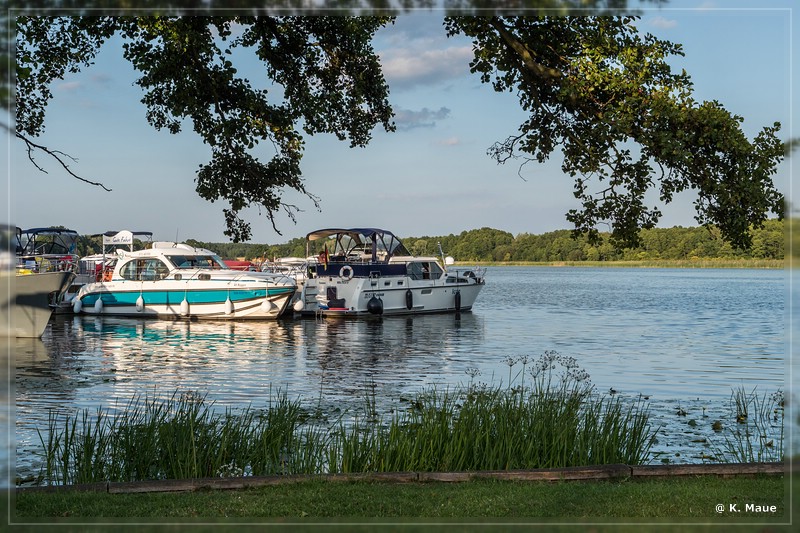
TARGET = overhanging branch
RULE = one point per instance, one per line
(531, 65)
(58, 156)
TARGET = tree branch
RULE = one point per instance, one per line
(540, 71)
(57, 155)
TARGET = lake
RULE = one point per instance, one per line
(684, 338)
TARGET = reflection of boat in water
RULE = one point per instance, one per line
(368, 271)
(173, 280)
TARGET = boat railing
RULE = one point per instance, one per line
(476, 272)
(205, 274)
(47, 263)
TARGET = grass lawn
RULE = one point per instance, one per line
(671, 504)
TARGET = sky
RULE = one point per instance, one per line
(430, 177)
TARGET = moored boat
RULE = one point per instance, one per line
(96, 267)
(295, 268)
(33, 295)
(28, 286)
(175, 280)
(368, 271)
(47, 250)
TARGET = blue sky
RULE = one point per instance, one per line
(431, 177)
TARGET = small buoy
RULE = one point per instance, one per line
(299, 305)
(140, 304)
(184, 307)
(77, 304)
(98, 305)
(409, 299)
(228, 306)
(375, 306)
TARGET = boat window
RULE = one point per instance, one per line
(197, 261)
(150, 269)
(424, 270)
(436, 271)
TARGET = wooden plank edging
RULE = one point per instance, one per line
(576, 473)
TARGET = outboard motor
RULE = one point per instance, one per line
(375, 306)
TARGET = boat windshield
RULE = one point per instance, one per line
(47, 241)
(359, 243)
(197, 261)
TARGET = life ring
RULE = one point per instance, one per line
(346, 273)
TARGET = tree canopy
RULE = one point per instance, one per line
(594, 87)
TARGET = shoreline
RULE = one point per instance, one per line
(755, 264)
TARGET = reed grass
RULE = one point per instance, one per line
(755, 431)
(555, 419)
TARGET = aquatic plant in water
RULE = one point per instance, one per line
(756, 429)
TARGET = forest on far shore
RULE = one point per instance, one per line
(494, 245)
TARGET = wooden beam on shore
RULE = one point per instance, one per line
(576, 473)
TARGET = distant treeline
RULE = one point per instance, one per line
(493, 245)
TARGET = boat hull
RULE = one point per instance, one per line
(124, 299)
(397, 295)
(30, 297)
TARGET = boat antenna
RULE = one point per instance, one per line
(441, 252)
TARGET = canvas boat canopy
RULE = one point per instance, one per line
(371, 244)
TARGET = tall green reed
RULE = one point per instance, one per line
(556, 420)
(755, 430)
(547, 415)
(175, 438)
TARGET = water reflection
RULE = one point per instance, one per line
(235, 361)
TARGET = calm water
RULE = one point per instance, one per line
(683, 337)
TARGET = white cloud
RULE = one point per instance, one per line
(410, 66)
(451, 141)
(663, 23)
(407, 119)
(70, 86)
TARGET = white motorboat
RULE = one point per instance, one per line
(28, 286)
(31, 307)
(368, 271)
(175, 280)
(97, 267)
(295, 268)
(46, 250)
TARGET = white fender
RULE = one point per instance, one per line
(267, 306)
(77, 304)
(184, 307)
(228, 306)
(98, 305)
(140, 304)
(299, 305)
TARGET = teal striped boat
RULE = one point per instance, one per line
(175, 280)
